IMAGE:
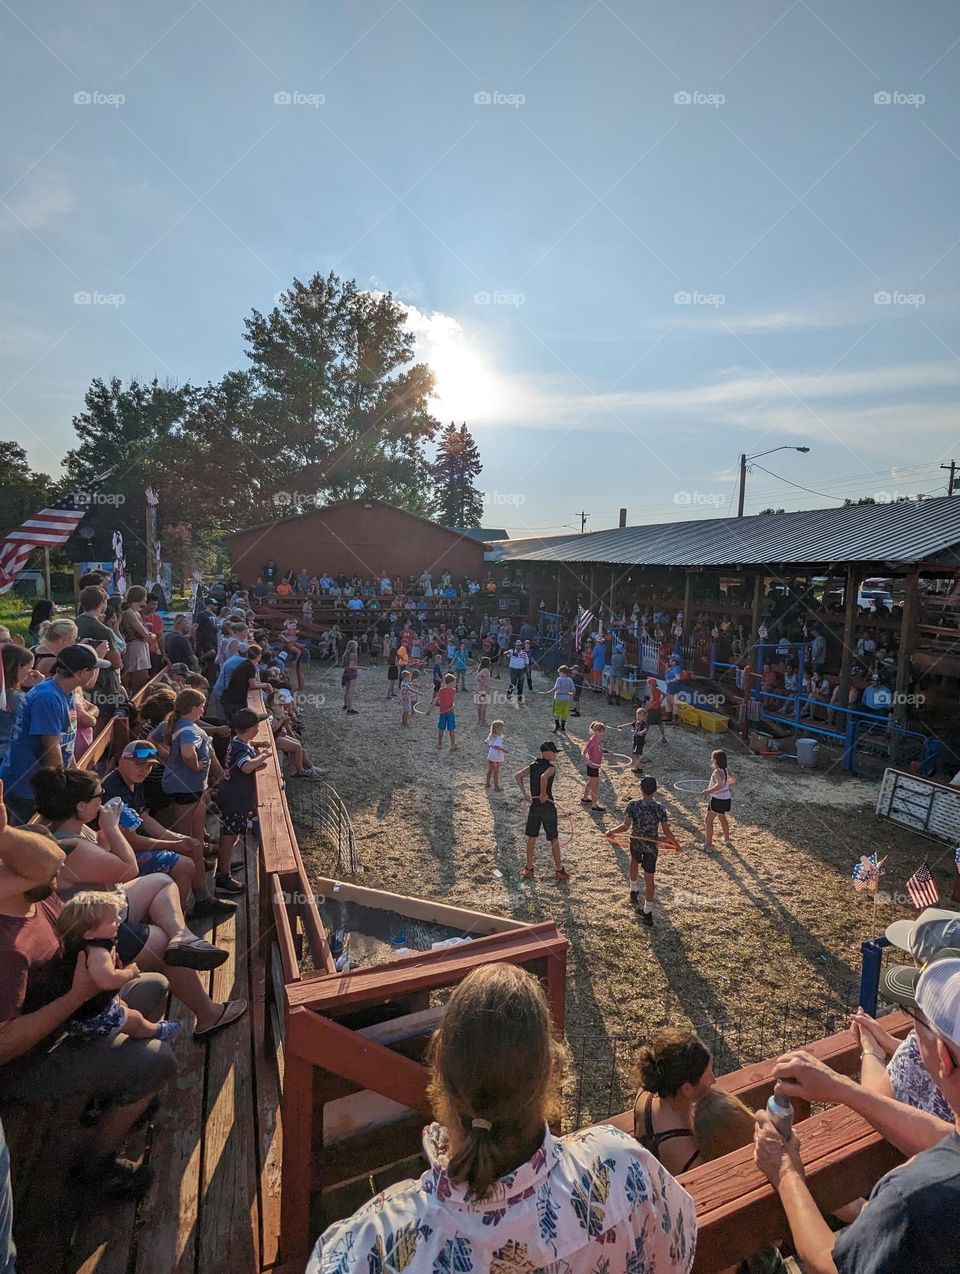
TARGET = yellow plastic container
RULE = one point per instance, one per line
(688, 714)
(713, 722)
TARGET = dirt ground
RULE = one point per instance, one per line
(758, 945)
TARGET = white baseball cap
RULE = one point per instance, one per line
(932, 930)
(938, 997)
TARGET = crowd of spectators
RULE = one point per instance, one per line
(356, 592)
(109, 870)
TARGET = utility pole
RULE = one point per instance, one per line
(952, 466)
(743, 483)
(583, 521)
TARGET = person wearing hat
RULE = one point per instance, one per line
(934, 934)
(542, 815)
(912, 1219)
(45, 731)
(157, 848)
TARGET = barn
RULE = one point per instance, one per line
(358, 537)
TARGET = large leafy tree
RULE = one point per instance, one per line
(339, 385)
(22, 490)
(456, 501)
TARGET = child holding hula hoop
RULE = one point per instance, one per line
(721, 797)
(645, 818)
(592, 753)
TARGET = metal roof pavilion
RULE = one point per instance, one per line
(904, 534)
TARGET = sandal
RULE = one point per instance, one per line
(528, 873)
(562, 874)
(230, 1012)
(194, 953)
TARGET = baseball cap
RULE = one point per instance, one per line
(932, 930)
(549, 747)
(80, 659)
(938, 997)
(899, 982)
(139, 750)
(179, 670)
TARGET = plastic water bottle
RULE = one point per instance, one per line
(780, 1110)
(129, 818)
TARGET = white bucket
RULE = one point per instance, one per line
(808, 753)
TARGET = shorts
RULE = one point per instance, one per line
(447, 721)
(183, 798)
(131, 939)
(638, 745)
(720, 804)
(393, 673)
(561, 709)
(136, 657)
(100, 1026)
(233, 824)
(593, 771)
(153, 860)
(644, 854)
(542, 817)
(654, 716)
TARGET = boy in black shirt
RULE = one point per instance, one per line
(543, 812)
(645, 818)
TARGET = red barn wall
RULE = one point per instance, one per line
(355, 540)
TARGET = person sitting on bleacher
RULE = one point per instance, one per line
(36, 1000)
(501, 1192)
(912, 1219)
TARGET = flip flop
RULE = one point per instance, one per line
(195, 954)
(231, 1012)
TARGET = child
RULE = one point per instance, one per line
(484, 686)
(639, 726)
(88, 925)
(592, 753)
(445, 698)
(644, 818)
(576, 676)
(563, 692)
(408, 697)
(460, 661)
(655, 707)
(437, 670)
(393, 674)
(236, 795)
(721, 781)
(495, 754)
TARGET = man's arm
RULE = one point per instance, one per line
(50, 753)
(545, 777)
(799, 1074)
(520, 778)
(20, 1034)
(28, 854)
(780, 1163)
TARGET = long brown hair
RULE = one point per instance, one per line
(185, 702)
(494, 1062)
(673, 1059)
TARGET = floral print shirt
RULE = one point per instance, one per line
(594, 1202)
(913, 1084)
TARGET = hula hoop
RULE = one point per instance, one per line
(421, 712)
(684, 785)
(625, 758)
(672, 845)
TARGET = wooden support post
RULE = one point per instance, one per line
(592, 596)
(757, 607)
(687, 596)
(46, 574)
(613, 572)
(908, 628)
(849, 621)
(297, 1117)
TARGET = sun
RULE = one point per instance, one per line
(466, 385)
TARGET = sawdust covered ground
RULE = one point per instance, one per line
(754, 945)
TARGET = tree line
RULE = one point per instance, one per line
(331, 405)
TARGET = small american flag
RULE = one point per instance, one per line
(956, 858)
(584, 619)
(922, 888)
(47, 529)
(866, 874)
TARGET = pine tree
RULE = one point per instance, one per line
(456, 501)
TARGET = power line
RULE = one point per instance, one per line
(822, 494)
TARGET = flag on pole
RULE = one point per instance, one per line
(584, 619)
(956, 859)
(866, 874)
(119, 564)
(922, 887)
(47, 529)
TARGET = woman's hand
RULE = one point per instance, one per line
(871, 1036)
(109, 817)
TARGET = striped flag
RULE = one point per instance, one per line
(867, 873)
(47, 529)
(584, 619)
(922, 888)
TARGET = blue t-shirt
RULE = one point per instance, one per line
(226, 671)
(599, 657)
(913, 1219)
(178, 778)
(46, 709)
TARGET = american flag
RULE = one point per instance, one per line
(47, 529)
(922, 888)
(866, 874)
(584, 619)
(956, 858)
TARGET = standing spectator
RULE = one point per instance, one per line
(501, 1192)
(519, 662)
(177, 645)
(188, 763)
(54, 635)
(674, 1073)
(818, 650)
(136, 656)
(92, 626)
(45, 730)
(43, 612)
(153, 623)
(19, 676)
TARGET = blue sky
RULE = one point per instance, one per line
(636, 240)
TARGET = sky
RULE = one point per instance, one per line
(635, 240)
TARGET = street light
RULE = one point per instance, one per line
(743, 469)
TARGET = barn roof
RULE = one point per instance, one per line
(346, 504)
(903, 534)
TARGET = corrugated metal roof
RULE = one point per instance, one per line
(902, 533)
